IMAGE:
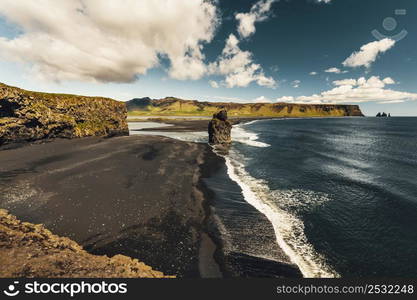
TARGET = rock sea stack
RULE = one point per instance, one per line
(30, 116)
(220, 129)
(383, 115)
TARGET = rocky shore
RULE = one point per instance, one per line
(29, 250)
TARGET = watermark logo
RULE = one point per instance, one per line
(12, 290)
(390, 25)
(65, 288)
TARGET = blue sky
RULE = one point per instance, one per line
(240, 51)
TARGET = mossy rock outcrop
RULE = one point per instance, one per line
(29, 116)
(29, 250)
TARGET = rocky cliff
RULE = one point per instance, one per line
(174, 106)
(28, 116)
(28, 250)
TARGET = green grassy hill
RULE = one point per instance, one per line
(176, 107)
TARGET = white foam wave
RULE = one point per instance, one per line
(196, 137)
(240, 135)
(251, 122)
(289, 230)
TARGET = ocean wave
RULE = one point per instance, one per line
(289, 229)
(251, 122)
(243, 136)
(239, 134)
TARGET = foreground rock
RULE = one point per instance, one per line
(29, 116)
(220, 129)
(28, 250)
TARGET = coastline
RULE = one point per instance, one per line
(271, 263)
(194, 222)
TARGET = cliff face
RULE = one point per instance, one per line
(28, 116)
(174, 106)
(28, 250)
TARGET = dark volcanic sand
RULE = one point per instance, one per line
(141, 196)
(135, 196)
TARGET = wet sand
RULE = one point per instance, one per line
(138, 196)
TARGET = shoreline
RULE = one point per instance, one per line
(209, 260)
(239, 252)
(181, 125)
(281, 265)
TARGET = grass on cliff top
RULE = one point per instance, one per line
(236, 113)
(52, 96)
(179, 109)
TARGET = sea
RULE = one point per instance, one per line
(337, 195)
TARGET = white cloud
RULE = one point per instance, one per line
(313, 73)
(108, 42)
(389, 80)
(286, 99)
(296, 84)
(356, 91)
(262, 99)
(238, 67)
(258, 13)
(324, 1)
(214, 84)
(335, 71)
(392, 102)
(368, 53)
(345, 82)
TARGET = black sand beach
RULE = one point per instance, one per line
(135, 196)
(147, 197)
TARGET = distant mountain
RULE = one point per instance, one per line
(138, 103)
(172, 106)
